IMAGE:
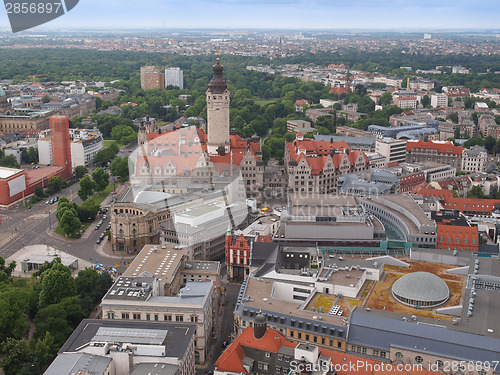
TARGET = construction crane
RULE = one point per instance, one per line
(37, 75)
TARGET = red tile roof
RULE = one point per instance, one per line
(317, 153)
(471, 204)
(338, 90)
(232, 357)
(185, 147)
(443, 148)
(424, 190)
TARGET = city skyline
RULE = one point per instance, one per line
(276, 14)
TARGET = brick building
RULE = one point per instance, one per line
(315, 166)
(454, 232)
(61, 144)
(436, 151)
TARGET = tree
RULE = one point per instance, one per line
(81, 171)
(44, 348)
(13, 322)
(119, 167)
(105, 155)
(100, 178)
(489, 143)
(92, 286)
(123, 133)
(56, 183)
(69, 222)
(5, 272)
(456, 132)
(32, 155)
(453, 117)
(59, 319)
(426, 101)
(17, 356)
(63, 206)
(56, 284)
(87, 210)
(477, 192)
(87, 187)
(39, 191)
(9, 161)
(46, 98)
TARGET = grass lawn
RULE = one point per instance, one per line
(264, 102)
(109, 142)
(102, 195)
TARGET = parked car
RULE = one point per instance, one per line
(101, 236)
(98, 241)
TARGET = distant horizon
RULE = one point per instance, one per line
(293, 15)
(41, 30)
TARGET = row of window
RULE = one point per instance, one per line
(166, 317)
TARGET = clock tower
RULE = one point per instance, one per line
(218, 113)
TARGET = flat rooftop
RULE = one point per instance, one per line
(260, 290)
(160, 260)
(35, 175)
(203, 266)
(131, 288)
(178, 335)
(8, 172)
(342, 277)
(323, 199)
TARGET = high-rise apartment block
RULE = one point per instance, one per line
(174, 77)
(152, 78)
(61, 144)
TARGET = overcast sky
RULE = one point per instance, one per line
(282, 14)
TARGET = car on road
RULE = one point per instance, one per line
(101, 236)
(209, 372)
(98, 240)
(225, 344)
(47, 202)
(97, 227)
(108, 227)
(56, 199)
(104, 217)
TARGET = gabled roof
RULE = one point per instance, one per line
(441, 147)
(319, 152)
(231, 359)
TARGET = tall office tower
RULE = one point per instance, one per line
(174, 77)
(152, 78)
(61, 144)
(218, 113)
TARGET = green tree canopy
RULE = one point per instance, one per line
(56, 183)
(100, 178)
(81, 171)
(56, 284)
(87, 187)
(69, 222)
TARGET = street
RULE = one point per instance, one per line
(21, 227)
(224, 325)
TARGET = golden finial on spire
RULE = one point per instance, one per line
(217, 54)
